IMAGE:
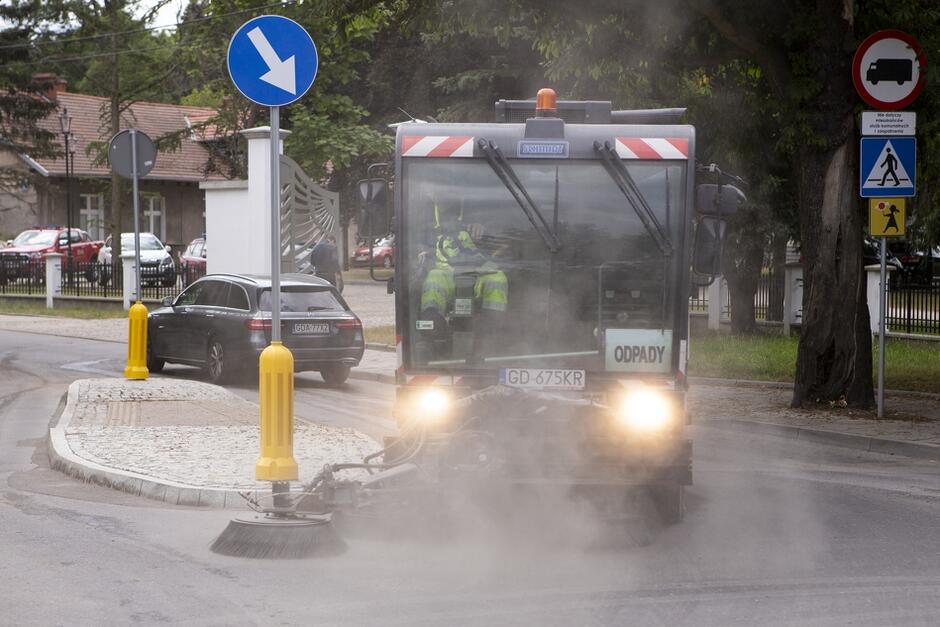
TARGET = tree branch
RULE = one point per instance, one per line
(772, 61)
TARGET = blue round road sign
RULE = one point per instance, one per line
(272, 60)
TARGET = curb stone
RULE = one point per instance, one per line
(365, 375)
(870, 444)
(63, 459)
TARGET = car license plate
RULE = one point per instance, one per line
(542, 378)
(311, 328)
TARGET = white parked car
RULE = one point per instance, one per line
(156, 264)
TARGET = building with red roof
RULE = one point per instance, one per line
(172, 205)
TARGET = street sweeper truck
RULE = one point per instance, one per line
(543, 269)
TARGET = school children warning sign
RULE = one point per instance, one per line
(886, 217)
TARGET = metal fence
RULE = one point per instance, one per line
(768, 299)
(698, 302)
(101, 280)
(22, 276)
(913, 309)
(27, 277)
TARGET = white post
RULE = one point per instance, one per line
(873, 275)
(129, 271)
(792, 296)
(53, 278)
(714, 304)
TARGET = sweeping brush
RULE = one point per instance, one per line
(271, 536)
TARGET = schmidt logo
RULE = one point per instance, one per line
(543, 149)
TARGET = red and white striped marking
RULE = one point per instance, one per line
(652, 148)
(437, 146)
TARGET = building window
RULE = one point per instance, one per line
(90, 215)
(154, 216)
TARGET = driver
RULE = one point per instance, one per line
(455, 246)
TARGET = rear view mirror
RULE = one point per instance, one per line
(709, 239)
(374, 213)
(167, 302)
(718, 200)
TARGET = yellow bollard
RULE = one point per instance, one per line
(137, 343)
(276, 387)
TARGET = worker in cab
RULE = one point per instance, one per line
(455, 250)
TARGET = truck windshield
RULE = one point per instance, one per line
(482, 289)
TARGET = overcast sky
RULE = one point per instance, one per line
(168, 13)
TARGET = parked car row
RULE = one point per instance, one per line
(25, 258)
(919, 266)
(383, 253)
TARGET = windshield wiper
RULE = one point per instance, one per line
(621, 176)
(508, 176)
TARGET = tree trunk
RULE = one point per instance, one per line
(743, 279)
(834, 357)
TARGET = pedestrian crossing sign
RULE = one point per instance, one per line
(887, 167)
(886, 217)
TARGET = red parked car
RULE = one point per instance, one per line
(193, 261)
(383, 253)
(26, 257)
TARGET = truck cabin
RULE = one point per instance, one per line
(544, 243)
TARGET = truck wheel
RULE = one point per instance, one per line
(335, 375)
(91, 275)
(670, 502)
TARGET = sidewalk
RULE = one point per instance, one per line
(182, 442)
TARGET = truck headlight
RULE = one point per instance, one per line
(646, 411)
(431, 405)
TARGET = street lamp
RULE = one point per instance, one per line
(65, 123)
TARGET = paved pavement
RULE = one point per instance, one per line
(192, 443)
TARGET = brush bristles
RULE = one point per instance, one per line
(274, 541)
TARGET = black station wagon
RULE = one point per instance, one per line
(222, 322)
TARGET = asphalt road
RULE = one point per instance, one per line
(778, 532)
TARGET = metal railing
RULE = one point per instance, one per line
(101, 280)
(105, 280)
(913, 309)
(768, 299)
(22, 276)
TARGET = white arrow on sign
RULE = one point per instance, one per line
(281, 74)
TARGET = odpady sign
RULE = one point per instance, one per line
(639, 354)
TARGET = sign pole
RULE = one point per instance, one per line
(135, 176)
(273, 61)
(137, 316)
(882, 298)
(275, 225)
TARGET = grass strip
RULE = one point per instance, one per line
(38, 308)
(382, 334)
(909, 364)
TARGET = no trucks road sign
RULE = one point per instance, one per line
(888, 70)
